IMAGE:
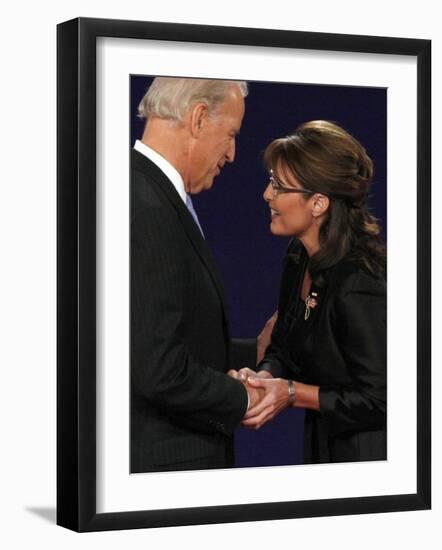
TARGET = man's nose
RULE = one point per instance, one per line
(230, 153)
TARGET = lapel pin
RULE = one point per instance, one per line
(310, 303)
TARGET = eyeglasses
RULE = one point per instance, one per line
(278, 188)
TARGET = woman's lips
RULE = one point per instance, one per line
(273, 212)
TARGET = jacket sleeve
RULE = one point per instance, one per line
(277, 359)
(361, 326)
(243, 353)
(163, 370)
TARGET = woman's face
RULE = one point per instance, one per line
(291, 213)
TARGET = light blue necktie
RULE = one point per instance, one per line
(189, 205)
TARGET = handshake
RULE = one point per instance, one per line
(268, 396)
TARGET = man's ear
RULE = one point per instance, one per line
(320, 205)
(198, 118)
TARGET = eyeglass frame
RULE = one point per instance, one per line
(281, 189)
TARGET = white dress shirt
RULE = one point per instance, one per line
(172, 173)
(165, 166)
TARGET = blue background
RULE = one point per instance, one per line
(236, 219)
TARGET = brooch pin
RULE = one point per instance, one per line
(310, 303)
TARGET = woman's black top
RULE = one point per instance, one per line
(340, 347)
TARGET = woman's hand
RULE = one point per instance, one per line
(264, 337)
(276, 399)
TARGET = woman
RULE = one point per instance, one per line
(328, 348)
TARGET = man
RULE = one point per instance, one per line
(184, 407)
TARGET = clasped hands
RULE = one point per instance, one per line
(268, 396)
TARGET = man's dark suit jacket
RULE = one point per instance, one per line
(341, 348)
(184, 407)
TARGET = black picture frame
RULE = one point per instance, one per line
(76, 273)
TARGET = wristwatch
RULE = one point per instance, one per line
(292, 395)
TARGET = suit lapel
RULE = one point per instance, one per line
(165, 186)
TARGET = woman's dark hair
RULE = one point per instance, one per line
(326, 159)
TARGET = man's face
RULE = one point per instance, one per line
(214, 144)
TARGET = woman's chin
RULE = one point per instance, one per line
(276, 229)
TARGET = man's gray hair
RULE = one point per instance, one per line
(171, 98)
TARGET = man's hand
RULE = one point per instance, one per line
(245, 373)
(233, 373)
(264, 337)
(275, 399)
(255, 394)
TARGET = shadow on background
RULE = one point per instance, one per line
(49, 514)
